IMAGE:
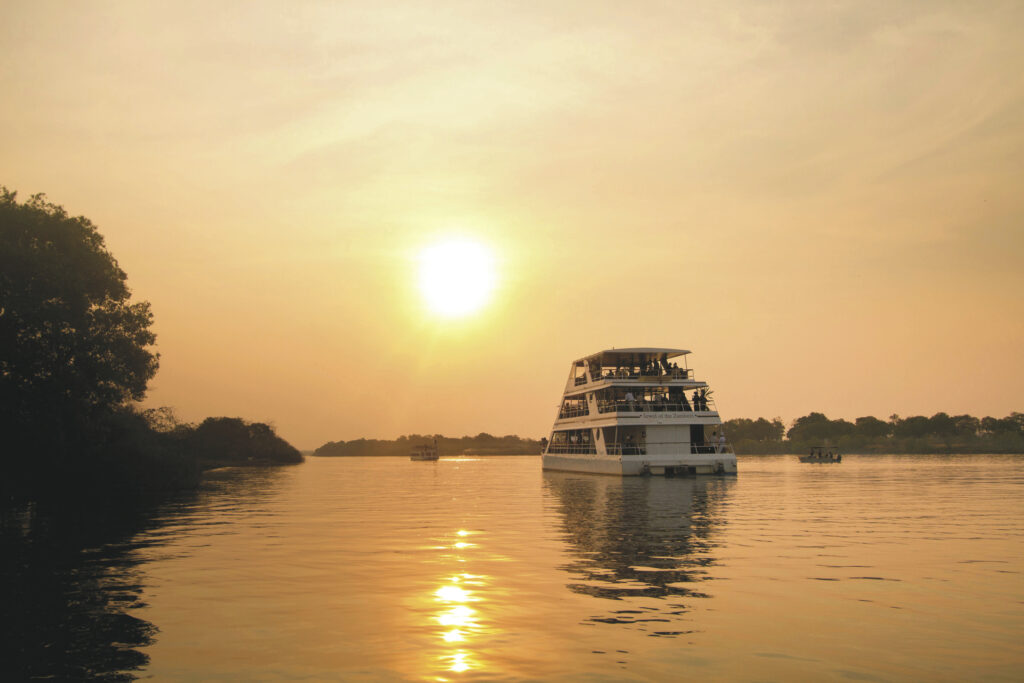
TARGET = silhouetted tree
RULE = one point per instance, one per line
(871, 428)
(72, 345)
(812, 427)
(912, 427)
(966, 425)
(1011, 424)
(222, 440)
(1016, 421)
(760, 430)
(941, 424)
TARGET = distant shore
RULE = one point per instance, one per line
(405, 456)
(401, 448)
(940, 433)
(481, 444)
(917, 448)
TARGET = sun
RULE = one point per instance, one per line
(457, 277)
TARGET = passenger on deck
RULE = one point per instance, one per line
(696, 400)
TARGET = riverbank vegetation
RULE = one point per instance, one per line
(481, 444)
(940, 433)
(76, 356)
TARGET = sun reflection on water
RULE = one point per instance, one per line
(459, 621)
(460, 615)
(453, 636)
(452, 594)
(459, 662)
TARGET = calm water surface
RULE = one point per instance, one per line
(880, 568)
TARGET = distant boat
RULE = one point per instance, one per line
(425, 451)
(818, 454)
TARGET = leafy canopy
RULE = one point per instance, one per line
(72, 344)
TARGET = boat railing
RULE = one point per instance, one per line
(708, 447)
(626, 449)
(580, 380)
(584, 448)
(625, 406)
(573, 412)
(622, 373)
(641, 449)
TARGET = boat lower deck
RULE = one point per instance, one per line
(631, 466)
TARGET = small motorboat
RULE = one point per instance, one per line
(425, 451)
(818, 454)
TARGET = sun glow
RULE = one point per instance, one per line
(454, 636)
(459, 615)
(456, 277)
(451, 594)
(460, 662)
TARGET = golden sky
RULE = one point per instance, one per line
(823, 201)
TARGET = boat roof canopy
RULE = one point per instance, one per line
(611, 356)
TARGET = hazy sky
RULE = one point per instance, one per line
(823, 201)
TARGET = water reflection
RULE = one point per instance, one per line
(69, 584)
(72, 577)
(645, 541)
(456, 614)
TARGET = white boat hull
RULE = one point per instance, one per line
(640, 465)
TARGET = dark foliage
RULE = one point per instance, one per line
(481, 444)
(74, 353)
(816, 427)
(743, 429)
(233, 441)
(73, 347)
(917, 434)
(871, 428)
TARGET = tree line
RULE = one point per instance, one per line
(481, 444)
(76, 356)
(942, 433)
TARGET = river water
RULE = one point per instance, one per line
(881, 568)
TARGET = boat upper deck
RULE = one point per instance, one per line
(615, 366)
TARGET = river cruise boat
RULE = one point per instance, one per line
(425, 451)
(818, 454)
(634, 412)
